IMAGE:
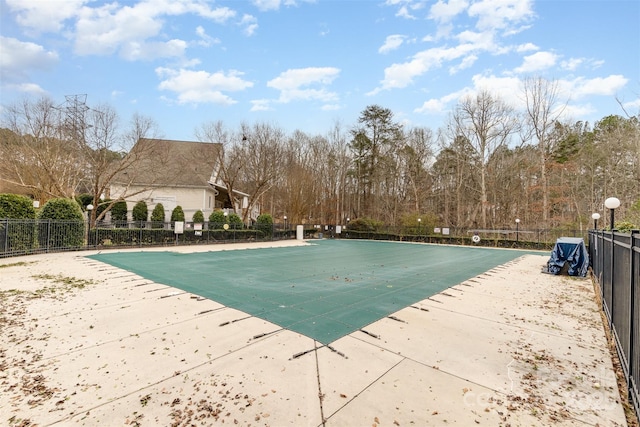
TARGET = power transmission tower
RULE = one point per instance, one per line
(75, 109)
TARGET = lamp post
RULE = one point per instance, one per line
(285, 222)
(89, 210)
(419, 225)
(517, 229)
(596, 217)
(612, 203)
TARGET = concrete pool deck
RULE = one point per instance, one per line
(85, 343)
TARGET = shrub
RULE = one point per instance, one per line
(140, 211)
(61, 209)
(264, 223)
(365, 224)
(625, 226)
(198, 217)
(235, 221)
(411, 225)
(157, 215)
(119, 211)
(66, 230)
(16, 207)
(84, 200)
(216, 219)
(18, 235)
(177, 214)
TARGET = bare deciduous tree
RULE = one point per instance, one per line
(39, 158)
(487, 123)
(542, 109)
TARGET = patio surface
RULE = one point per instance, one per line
(86, 343)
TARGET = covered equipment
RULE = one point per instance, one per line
(572, 251)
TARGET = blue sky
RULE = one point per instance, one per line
(308, 64)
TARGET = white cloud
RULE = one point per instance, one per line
(537, 62)
(44, 16)
(134, 51)
(509, 89)
(633, 107)
(604, 86)
(135, 31)
(431, 106)
(331, 107)
(466, 62)
(442, 104)
(266, 5)
(572, 111)
(526, 47)
(290, 83)
(250, 24)
(403, 12)
(206, 39)
(501, 14)
(407, 7)
(444, 11)
(401, 75)
(18, 58)
(392, 42)
(202, 86)
(28, 88)
(491, 16)
(261, 105)
(572, 63)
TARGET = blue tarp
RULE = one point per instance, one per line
(570, 250)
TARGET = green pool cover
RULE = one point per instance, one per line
(325, 290)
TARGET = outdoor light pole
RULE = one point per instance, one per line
(596, 217)
(285, 223)
(419, 225)
(517, 229)
(612, 203)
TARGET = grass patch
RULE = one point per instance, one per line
(16, 264)
(64, 284)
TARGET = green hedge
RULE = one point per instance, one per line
(150, 236)
(447, 240)
(66, 228)
(20, 236)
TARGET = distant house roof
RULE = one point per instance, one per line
(163, 162)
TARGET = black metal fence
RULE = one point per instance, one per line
(615, 262)
(24, 237)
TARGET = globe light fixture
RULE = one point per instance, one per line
(612, 203)
(596, 217)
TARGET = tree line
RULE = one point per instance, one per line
(486, 166)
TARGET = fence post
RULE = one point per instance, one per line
(613, 269)
(633, 319)
(48, 234)
(6, 236)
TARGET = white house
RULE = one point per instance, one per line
(176, 173)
